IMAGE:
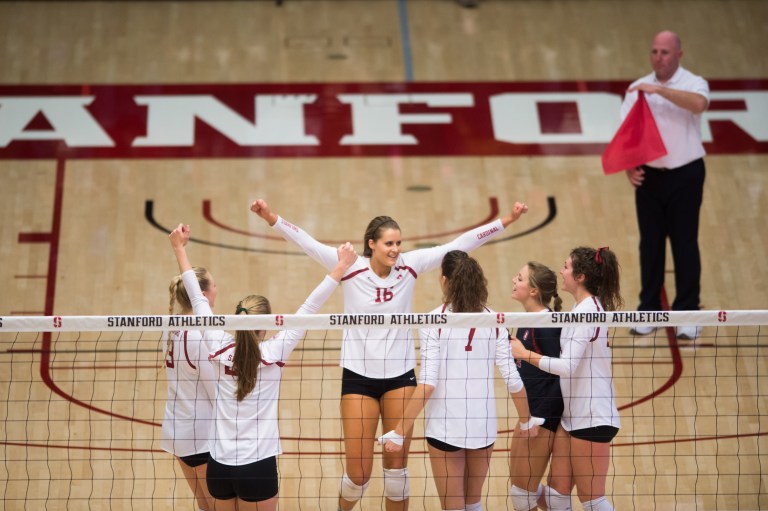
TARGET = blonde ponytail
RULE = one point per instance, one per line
(179, 297)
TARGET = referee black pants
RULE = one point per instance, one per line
(668, 204)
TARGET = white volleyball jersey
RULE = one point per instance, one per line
(188, 403)
(585, 374)
(458, 363)
(382, 353)
(247, 431)
(191, 385)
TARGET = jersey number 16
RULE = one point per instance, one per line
(384, 294)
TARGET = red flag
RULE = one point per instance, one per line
(637, 142)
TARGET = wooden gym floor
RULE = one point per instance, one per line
(699, 444)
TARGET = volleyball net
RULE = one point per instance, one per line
(82, 400)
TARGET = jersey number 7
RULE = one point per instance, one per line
(468, 347)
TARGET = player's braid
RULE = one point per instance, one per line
(173, 290)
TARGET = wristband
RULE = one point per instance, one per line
(391, 437)
(533, 421)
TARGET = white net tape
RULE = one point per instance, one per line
(397, 321)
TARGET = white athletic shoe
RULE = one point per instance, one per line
(688, 333)
(642, 330)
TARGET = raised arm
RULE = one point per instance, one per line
(179, 238)
(280, 346)
(323, 254)
(430, 258)
(261, 208)
(346, 256)
(518, 210)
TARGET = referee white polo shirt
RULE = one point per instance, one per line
(680, 129)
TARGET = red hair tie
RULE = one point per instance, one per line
(599, 256)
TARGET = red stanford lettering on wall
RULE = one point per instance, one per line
(348, 119)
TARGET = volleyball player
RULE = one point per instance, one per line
(378, 364)
(245, 440)
(581, 452)
(535, 287)
(190, 378)
(456, 385)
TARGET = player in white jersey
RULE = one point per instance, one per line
(535, 287)
(244, 439)
(456, 384)
(190, 378)
(378, 364)
(581, 453)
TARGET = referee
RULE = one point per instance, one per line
(669, 190)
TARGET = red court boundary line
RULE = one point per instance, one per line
(35, 237)
(50, 293)
(494, 212)
(107, 367)
(708, 438)
(288, 365)
(688, 440)
(677, 360)
(79, 447)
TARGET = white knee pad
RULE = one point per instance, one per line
(477, 506)
(524, 500)
(396, 484)
(555, 501)
(350, 491)
(598, 504)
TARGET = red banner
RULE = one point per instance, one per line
(348, 119)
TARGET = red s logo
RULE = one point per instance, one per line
(500, 318)
(57, 321)
(279, 320)
(722, 316)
